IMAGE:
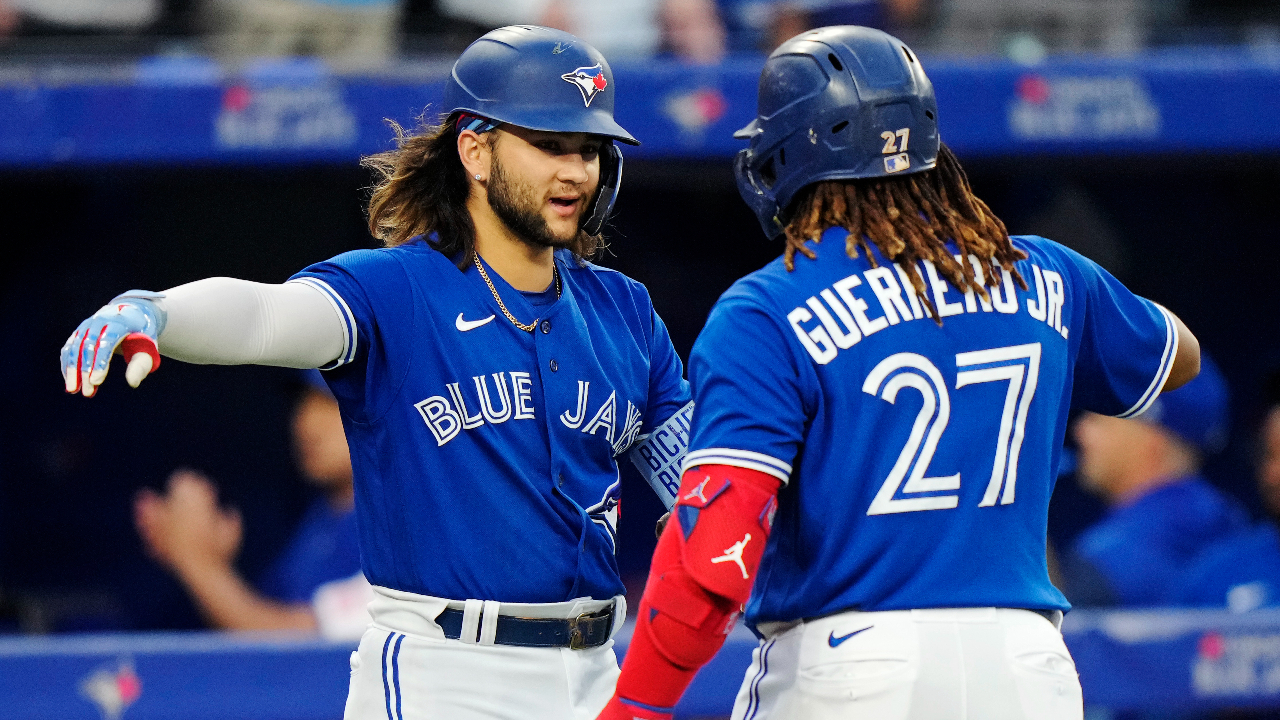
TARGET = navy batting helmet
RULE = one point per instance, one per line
(544, 79)
(835, 103)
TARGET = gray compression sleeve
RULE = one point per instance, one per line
(224, 321)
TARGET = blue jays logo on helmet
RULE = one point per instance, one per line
(513, 75)
(590, 80)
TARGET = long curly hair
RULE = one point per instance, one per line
(909, 218)
(421, 188)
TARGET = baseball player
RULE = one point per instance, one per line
(879, 417)
(489, 379)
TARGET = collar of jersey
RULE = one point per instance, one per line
(515, 300)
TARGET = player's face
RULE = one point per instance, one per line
(319, 441)
(540, 183)
(1269, 467)
(1112, 450)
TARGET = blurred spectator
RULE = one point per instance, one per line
(8, 18)
(55, 18)
(315, 584)
(689, 29)
(348, 33)
(1242, 573)
(618, 28)
(1163, 515)
(693, 31)
(762, 25)
(1026, 30)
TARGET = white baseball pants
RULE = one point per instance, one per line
(405, 669)
(942, 664)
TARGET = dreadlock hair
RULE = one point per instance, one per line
(909, 218)
(421, 188)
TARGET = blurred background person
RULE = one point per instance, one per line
(1242, 573)
(1027, 30)
(1162, 513)
(693, 31)
(112, 26)
(761, 25)
(348, 33)
(314, 585)
(690, 30)
(619, 28)
(8, 19)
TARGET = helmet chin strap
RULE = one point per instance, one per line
(759, 199)
(610, 181)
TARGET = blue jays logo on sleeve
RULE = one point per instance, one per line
(590, 80)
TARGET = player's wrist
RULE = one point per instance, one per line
(142, 310)
(200, 568)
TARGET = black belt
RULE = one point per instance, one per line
(588, 630)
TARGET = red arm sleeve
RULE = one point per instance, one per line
(701, 576)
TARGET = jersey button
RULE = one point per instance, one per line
(546, 326)
(560, 480)
(554, 366)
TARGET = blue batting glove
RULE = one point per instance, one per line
(131, 323)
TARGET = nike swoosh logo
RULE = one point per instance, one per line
(834, 641)
(465, 325)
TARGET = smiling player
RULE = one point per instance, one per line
(879, 417)
(489, 379)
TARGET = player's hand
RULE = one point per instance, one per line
(662, 524)
(130, 323)
(185, 529)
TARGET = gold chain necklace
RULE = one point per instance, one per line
(503, 306)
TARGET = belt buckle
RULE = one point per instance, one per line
(577, 637)
(576, 640)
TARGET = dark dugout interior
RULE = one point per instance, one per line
(1193, 233)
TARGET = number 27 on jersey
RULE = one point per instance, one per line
(1018, 365)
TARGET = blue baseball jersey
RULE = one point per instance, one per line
(324, 548)
(918, 459)
(1134, 556)
(486, 457)
(1240, 573)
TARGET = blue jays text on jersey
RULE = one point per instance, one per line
(486, 457)
(920, 459)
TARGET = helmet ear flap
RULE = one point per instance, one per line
(757, 195)
(607, 192)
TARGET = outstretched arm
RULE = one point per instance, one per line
(217, 321)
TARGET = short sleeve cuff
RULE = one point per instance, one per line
(349, 335)
(739, 458)
(1162, 374)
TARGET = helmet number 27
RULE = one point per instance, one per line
(1019, 365)
(891, 139)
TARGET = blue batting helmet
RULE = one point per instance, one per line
(835, 103)
(543, 79)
